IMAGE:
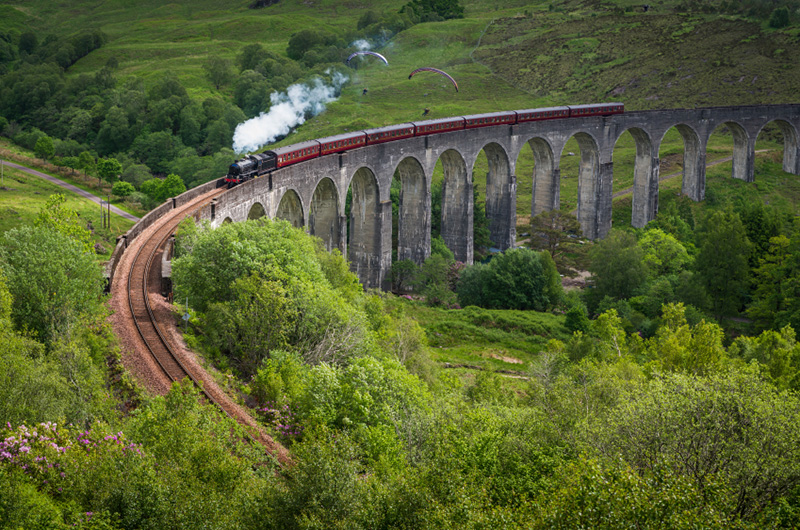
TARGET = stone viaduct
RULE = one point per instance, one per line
(312, 194)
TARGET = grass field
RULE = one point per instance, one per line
(22, 196)
(490, 339)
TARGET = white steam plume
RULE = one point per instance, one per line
(288, 110)
(361, 45)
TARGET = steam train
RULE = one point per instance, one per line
(260, 164)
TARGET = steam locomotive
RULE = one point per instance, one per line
(260, 164)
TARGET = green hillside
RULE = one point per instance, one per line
(517, 54)
(509, 55)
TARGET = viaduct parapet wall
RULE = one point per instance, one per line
(312, 194)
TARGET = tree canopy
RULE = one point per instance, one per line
(52, 278)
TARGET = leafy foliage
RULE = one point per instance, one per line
(109, 169)
(617, 265)
(122, 189)
(515, 279)
(57, 216)
(258, 320)
(731, 427)
(428, 10)
(44, 147)
(53, 280)
(288, 282)
(722, 261)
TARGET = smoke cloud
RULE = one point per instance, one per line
(288, 109)
(361, 45)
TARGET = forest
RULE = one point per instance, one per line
(662, 392)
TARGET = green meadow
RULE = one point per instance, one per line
(22, 197)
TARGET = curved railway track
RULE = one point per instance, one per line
(142, 274)
(139, 281)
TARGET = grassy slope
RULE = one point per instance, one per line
(514, 55)
(22, 196)
(491, 339)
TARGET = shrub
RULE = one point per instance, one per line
(734, 427)
(779, 18)
(122, 189)
(515, 279)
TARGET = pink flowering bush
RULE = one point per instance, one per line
(65, 466)
(51, 456)
(282, 419)
(178, 463)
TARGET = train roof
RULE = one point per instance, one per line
(491, 115)
(338, 137)
(595, 105)
(543, 109)
(294, 147)
(438, 121)
(389, 128)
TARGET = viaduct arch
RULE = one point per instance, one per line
(312, 194)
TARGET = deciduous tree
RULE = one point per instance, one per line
(57, 216)
(218, 71)
(44, 148)
(558, 232)
(258, 320)
(722, 261)
(617, 265)
(52, 278)
(122, 189)
(109, 169)
(86, 162)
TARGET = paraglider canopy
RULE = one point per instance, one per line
(436, 71)
(374, 54)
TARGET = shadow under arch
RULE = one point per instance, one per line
(414, 212)
(645, 178)
(545, 190)
(365, 228)
(693, 182)
(227, 220)
(323, 216)
(791, 164)
(588, 177)
(256, 211)
(742, 165)
(291, 209)
(456, 226)
(500, 197)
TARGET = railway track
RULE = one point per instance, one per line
(145, 279)
(136, 288)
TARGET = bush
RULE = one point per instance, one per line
(577, 320)
(515, 279)
(122, 189)
(734, 427)
(54, 281)
(779, 18)
(611, 495)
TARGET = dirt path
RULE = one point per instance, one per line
(73, 189)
